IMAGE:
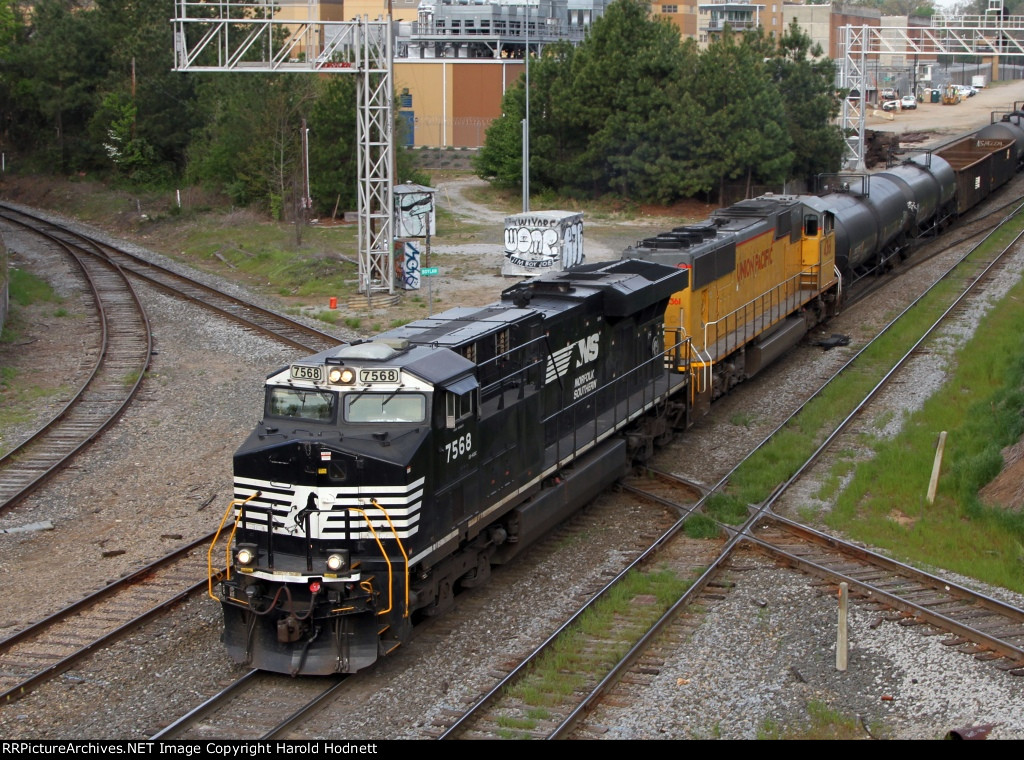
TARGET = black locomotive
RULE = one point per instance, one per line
(385, 474)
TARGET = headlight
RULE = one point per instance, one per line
(336, 562)
(341, 376)
(245, 555)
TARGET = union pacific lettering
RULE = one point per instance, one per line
(751, 265)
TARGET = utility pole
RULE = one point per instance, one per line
(526, 121)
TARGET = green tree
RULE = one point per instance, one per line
(604, 115)
(625, 71)
(555, 139)
(58, 67)
(11, 32)
(500, 158)
(806, 83)
(141, 73)
(128, 153)
(634, 112)
(250, 144)
(746, 125)
(555, 136)
(333, 168)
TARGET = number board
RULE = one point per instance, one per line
(370, 376)
(305, 372)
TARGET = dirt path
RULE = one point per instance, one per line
(451, 196)
(945, 121)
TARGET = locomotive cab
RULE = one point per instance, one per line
(330, 488)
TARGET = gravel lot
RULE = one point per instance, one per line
(762, 656)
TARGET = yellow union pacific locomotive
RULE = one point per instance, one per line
(761, 274)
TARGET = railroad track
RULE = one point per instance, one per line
(983, 626)
(119, 363)
(649, 592)
(710, 594)
(45, 649)
(978, 624)
(256, 706)
(123, 352)
(248, 315)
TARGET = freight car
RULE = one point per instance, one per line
(765, 271)
(385, 474)
(879, 215)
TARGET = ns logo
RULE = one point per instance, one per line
(560, 362)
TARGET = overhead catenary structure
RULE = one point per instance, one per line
(287, 36)
(991, 35)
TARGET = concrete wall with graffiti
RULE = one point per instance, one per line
(542, 241)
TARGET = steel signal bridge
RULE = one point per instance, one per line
(986, 36)
(286, 36)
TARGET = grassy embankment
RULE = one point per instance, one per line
(17, 394)
(884, 499)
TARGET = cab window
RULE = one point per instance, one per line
(385, 407)
(301, 404)
(458, 407)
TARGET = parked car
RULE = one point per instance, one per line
(908, 102)
(891, 105)
(967, 91)
(890, 93)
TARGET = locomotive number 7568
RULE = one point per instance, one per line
(459, 447)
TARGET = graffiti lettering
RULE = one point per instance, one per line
(415, 214)
(536, 242)
(410, 266)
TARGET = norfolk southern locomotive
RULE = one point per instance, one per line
(386, 474)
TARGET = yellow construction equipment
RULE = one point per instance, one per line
(950, 95)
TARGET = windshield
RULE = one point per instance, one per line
(315, 406)
(385, 407)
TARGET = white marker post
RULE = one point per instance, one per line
(933, 484)
(842, 640)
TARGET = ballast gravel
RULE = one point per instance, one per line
(760, 664)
